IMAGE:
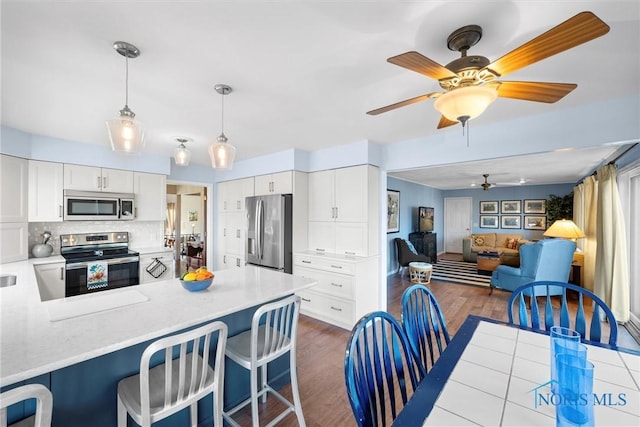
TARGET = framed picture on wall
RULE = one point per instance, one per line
(510, 207)
(393, 211)
(489, 207)
(488, 221)
(510, 221)
(535, 222)
(537, 206)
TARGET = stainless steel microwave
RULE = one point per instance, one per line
(98, 206)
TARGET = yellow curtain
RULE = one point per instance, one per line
(612, 272)
(585, 216)
(171, 217)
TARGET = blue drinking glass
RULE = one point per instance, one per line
(575, 389)
(562, 340)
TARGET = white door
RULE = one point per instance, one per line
(457, 222)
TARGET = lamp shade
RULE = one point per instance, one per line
(222, 153)
(465, 102)
(125, 132)
(182, 156)
(564, 228)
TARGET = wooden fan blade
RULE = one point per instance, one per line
(444, 122)
(581, 28)
(421, 64)
(535, 91)
(402, 103)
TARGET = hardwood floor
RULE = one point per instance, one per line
(321, 350)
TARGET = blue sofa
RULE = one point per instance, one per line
(545, 260)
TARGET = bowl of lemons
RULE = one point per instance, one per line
(197, 280)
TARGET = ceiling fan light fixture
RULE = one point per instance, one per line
(221, 153)
(181, 155)
(125, 132)
(465, 103)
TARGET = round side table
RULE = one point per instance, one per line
(420, 272)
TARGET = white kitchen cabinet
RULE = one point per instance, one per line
(229, 250)
(150, 191)
(45, 191)
(90, 178)
(51, 280)
(343, 211)
(13, 241)
(13, 199)
(234, 193)
(156, 266)
(339, 194)
(347, 287)
(276, 183)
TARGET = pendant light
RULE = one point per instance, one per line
(125, 132)
(222, 153)
(181, 155)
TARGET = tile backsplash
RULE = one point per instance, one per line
(141, 233)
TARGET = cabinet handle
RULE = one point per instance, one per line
(224, 205)
(224, 259)
(99, 182)
(237, 262)
(61, 273)
(338, 285)
(336, 212)
(319, 250)
(304, 299)
(238, 233)
(349, 253)
(224, 232)
(336, 308)
(60, 211)
(238, 204)
(104, 182)
(306, 262)
(336, 266)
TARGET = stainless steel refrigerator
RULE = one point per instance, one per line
(269, 231)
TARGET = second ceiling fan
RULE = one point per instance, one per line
(471, 84)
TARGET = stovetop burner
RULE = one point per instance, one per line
(95, 246)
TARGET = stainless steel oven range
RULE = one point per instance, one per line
(98, 261)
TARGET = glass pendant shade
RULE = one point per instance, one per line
(465, 103)
(125, 132)
(222, 153)
(182, 156)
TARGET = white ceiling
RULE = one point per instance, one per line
(562, 166)
(303, 73)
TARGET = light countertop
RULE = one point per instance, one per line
(32, 344)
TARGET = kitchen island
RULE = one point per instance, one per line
(81, 357)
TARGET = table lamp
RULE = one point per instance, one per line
(565, 229)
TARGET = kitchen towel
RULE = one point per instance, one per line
(97, 273)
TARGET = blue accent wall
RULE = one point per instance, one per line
(509, 193)
(411, 197)
(414, 195)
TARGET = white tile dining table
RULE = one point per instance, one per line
(497, 374)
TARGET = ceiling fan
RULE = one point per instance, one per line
(471, 83)
(486, 185)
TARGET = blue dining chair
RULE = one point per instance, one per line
(424, 324)
(541, 289)
(380, 370)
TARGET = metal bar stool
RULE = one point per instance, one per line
(272, 334)
(44, 404)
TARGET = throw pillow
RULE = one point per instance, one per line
(478, 240)
(512, 244)
(411, 247)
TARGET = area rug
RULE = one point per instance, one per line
(459, 272)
